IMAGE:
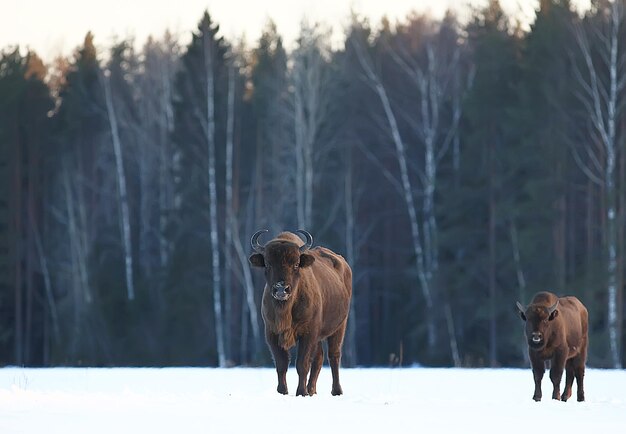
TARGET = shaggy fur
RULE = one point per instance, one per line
(320, 283)
(564, 341)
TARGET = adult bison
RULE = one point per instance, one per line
(306, 299)
(556, 330)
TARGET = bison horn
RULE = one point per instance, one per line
(254, 241)
(309, 240)
(520, 307)
(553, 307)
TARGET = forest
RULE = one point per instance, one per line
(459, 167)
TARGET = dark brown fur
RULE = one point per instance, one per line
(317, 308)
(564, 341)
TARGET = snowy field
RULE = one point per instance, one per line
(240, 400)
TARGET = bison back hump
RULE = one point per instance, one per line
(334, 259)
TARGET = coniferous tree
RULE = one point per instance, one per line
(489, 136)
(540, 174)
(26, 302)
(270, 105)
(80, 125)
(199, 133)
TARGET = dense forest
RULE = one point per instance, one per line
(459, 167)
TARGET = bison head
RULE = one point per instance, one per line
(282, 260)
(538, 320)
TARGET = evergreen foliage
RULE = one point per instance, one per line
(488, 124)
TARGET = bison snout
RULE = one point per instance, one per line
(536, 337)
(281, 291)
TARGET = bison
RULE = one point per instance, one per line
(306, 299)
(556, 330)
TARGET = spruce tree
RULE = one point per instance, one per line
(199, 136)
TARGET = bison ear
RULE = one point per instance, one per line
(257, 260)
(306, 260)
(520, 311)
(553, 315)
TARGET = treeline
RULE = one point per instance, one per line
(459, 167)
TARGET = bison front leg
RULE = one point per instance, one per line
(569, 380)
(306, 345)
(539, 368)
(281, 359)
(318, 360)
(556, 373)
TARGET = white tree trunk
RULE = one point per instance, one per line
(214, 230)
(351, 351)
(406, 187)
(230, 215)
(77, 245)
(165, 162)
(436, 79)
(611, 159)
(121, 184)
(308, 84)
(300, 128)
(249, 289)
(430, 224)
(43, 263)
(603, 102)
(80, 280)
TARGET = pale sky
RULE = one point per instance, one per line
(53, 27)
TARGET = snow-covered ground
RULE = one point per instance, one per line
(240, 400)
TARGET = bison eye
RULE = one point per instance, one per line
(295, 267)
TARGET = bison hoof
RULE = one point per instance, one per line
(581, 397)
(565, 396)
(302, 392)
(282, 389)
(337, 391)
(311, 390)
(537, 398)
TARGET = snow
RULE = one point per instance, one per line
(244, 400)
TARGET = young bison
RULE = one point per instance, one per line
(306, 299)
(556, 330)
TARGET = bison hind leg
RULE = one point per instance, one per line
(569, 380)
(335, 342)
(579, 372)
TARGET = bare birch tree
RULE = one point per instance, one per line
(47, 280)
(309, 78)
(209, 130)
(248, 286)
(79, 275)
(121, 185)
(167, 69)
(354, 237)
(228, 186)
(438, 90)
(603, 100)
(376, 84)
(155, 156)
